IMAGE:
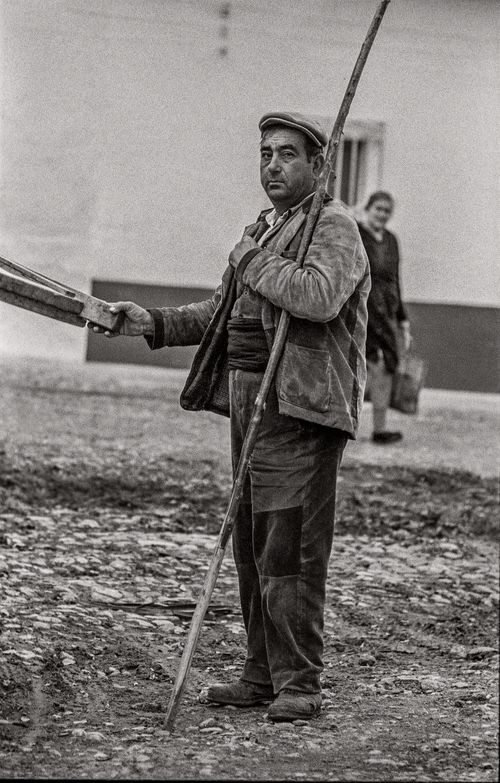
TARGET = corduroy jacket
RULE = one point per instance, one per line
(322, 372)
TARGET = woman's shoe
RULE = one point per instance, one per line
(386, 437)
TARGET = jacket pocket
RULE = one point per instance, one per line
(305, 378)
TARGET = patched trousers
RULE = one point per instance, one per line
(282, 538)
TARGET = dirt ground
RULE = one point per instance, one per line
(110, 499)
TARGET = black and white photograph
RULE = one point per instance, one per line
(249, 390)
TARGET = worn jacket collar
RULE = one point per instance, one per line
(305, 205)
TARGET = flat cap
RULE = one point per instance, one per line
(297, 121)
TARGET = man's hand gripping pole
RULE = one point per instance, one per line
(260, 402)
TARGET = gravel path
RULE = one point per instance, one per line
(106, 529)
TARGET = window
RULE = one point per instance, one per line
(359, 161)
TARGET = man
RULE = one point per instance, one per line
(283, 533)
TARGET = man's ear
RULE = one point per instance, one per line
(318, 163)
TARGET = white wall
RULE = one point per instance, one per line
(129, 145)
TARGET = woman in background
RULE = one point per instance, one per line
(388, 324)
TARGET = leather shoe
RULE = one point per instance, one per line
(239, 694)
(294, 705)
(386, 437)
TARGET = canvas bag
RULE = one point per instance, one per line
(407, 382)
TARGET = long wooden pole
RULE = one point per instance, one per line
(259, 406)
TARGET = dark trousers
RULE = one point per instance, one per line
(282, 538)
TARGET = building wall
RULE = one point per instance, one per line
(458, 343)
(129, 142)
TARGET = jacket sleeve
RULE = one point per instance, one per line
(335, 263)
(183, 325)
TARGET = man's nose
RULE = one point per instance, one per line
(274, 164)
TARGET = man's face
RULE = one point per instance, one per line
(286, 173)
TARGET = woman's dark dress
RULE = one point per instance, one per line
(385, 306)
